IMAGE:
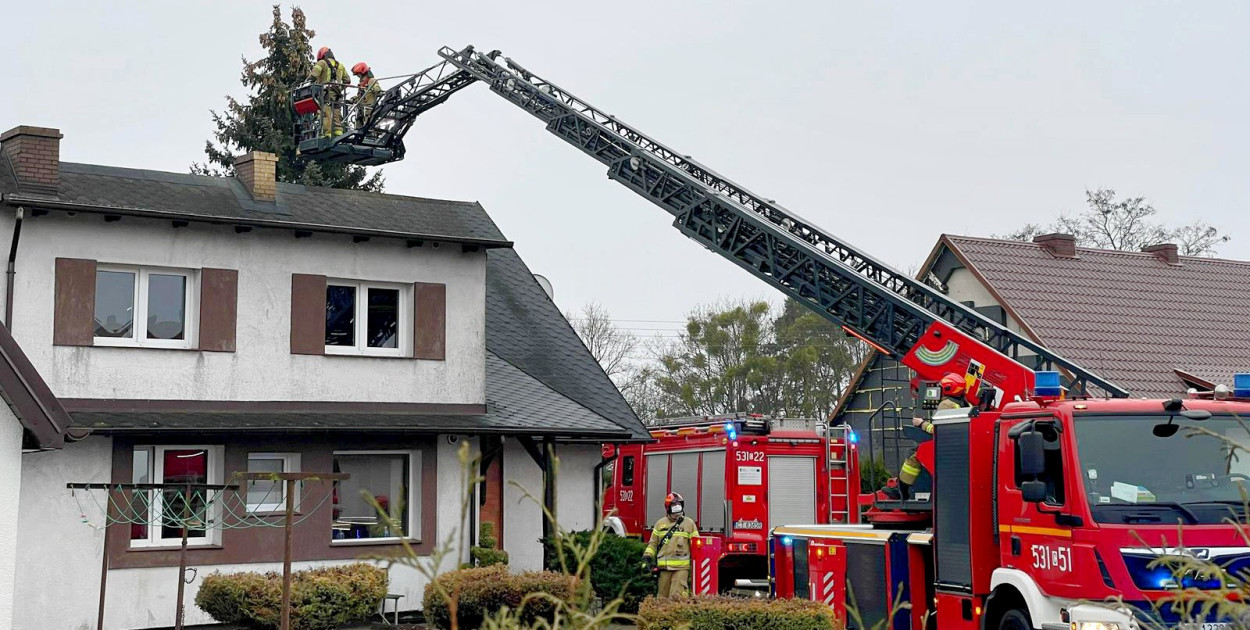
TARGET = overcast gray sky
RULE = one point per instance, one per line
(887, 123)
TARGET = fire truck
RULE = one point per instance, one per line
(1051, 490)
(741, 475)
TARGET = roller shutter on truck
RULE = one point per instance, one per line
(713, 516)
(791, 490)
(657, 488)
(685, 481)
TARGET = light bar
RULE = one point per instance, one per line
(1241, 385)
(1047, 385)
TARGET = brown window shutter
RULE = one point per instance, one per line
(308, 314)
(430, 340)
(219, 309)
(73, 322)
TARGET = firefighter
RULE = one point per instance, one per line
(671, 538)
(330, 73)
(953, 397)
(369, 90)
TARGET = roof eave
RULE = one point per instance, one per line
(44, 203)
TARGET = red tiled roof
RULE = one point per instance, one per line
(1127, 316)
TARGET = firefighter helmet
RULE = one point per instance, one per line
(673, 499)
(953, 385)
(324, 52)
(360, 69)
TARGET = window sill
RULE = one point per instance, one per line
(369, 542)
(174, 547)
(361, 355)
(134, 347)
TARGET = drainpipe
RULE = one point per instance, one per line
(11, 271)
(616, 452)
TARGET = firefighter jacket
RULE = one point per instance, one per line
(675, 554)
(370, 90)
(329, 71)
(946, 403)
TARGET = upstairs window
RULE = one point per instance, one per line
(143, 307)
(367, 318)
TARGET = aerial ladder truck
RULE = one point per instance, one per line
(1053, 491)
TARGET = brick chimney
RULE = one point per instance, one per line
(1059, 245)
(258, 172)
(1167, 252)
(34, 153)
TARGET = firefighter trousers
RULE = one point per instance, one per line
(331, 118)
(674, 582)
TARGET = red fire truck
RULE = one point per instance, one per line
(741, 475)
(1052, 490)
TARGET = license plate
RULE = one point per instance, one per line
(1204, 626)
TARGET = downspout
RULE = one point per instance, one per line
(616, 452)
(11, 271)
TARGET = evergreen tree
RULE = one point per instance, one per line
(265, 122)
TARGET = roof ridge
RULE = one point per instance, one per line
(1090, 250)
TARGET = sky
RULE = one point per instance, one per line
(887, 123)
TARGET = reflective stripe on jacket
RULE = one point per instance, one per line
(328, 71)
(676, 551)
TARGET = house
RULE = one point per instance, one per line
(191, 327)
(1153, 322)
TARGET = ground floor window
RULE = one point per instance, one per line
(265, 496)
(391, 478)
(160, 516)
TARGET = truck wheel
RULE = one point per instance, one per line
(1015, 619)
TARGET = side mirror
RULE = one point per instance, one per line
(1033, 491)
(1031, 449)
(1196, 414)
(1166, 430)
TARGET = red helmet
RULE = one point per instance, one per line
(953, 385)
(360, 69)
(323, 51)
(671, 499)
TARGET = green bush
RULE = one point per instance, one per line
(717, 613)
(321, 598)
(485, 554)
(873, 475)
(483, 591)
(614, 571)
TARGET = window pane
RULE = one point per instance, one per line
(383, 477)
(340, 316)
(141, 472)
(383, 318)
(263, 491)
(114, 303)
(167, 306)
(182, 507)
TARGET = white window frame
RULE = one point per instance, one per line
(403, 346)
(414, 500)
(156, 457)
(275, 505)
(139, 327)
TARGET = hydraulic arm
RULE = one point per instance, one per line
(898, 315)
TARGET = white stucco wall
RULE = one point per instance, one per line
(962, 286)
(10, 497)
(263, 367)
(523, 516)
(58, 558)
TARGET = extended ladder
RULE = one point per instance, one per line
(863, 295)
(837, 462)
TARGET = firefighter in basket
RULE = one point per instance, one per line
(330, 73)
(668, 552)
(954, 396)
(369, 90)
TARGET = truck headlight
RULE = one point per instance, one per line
(1096, 625)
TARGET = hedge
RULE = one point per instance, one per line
(614, 571)
(321, 598)
(732, 613)
(483, 591)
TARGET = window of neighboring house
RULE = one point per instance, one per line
(143, 307)
(163, 513)
(269, 496)
(389, 478)
(367, 318)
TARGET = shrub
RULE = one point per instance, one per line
(716, 613)
(483, 591)
(614, 571)
(485, 554)
(321, 598)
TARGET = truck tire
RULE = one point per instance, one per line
(1015, 619)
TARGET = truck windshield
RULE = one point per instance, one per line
(1134, 476)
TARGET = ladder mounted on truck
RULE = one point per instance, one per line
(867, 298)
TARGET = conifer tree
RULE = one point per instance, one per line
(265, 121)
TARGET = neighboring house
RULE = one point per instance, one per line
(1153, 322)
(191, 327)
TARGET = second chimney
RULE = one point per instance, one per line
(35, 155)
(258, 172)
(1059, 245)
(1167, 252)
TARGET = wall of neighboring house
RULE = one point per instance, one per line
(59, 555)
(523, 516)
(262, 366)
(10, 496)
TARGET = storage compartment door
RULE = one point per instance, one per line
(791, 491)
(712, 518)
(657, 488)
(686, 481)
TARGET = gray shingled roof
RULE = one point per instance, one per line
(199, 197)
(1127, 316)
(525, 329)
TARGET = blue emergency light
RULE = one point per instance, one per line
(851, 437)
(787, 541)
(1046, 384)
(733, 431)
(1241, 385)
